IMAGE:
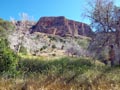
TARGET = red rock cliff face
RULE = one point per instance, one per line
(61, 26)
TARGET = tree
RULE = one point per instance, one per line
(116, 25)
(101, 15)
(105, 18)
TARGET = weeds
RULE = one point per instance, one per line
(65, 74)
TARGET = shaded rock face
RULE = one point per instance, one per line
(61, 26)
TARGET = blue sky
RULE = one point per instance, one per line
(71, 9)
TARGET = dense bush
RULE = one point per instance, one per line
(54, 67)
(8, 59)
(52, 38)
(23, 50)
(53, 46)
(44, 47)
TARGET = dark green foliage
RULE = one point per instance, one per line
(53, 54)
(23, 50)
(44, 47)
(8, 59)
(52, 38)
(53, 46)
(61, 40)
(58, 67)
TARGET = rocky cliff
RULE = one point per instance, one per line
(61, 26)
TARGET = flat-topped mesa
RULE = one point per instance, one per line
(61, 26)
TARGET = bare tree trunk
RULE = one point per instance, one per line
(117, 41)
(19, 46)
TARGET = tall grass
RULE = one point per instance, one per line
(65, 74)
(57, 66)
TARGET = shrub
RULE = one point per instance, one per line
(83, 43)
(52, 38)
(53, 54)
(23, 50)
(44, 47)
(8, 59)
(56, 67)
(53, 46)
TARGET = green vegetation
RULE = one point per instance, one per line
(83, 43)
(5, 25)
(57, 66)
(44, 47)
(66, 73)
(52, 38)
(23, 50)
(72, 73)
(8, 59)
(53, 46)
(5, 28)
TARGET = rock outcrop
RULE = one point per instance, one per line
(23, 25)
(61, 26)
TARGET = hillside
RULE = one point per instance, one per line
(47, 61)
(5, 25)
(5, 28)
(40, 44)
(49, 43)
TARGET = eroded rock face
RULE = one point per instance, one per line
(61, 26)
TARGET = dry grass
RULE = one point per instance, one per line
(76, 74)
(57, 85)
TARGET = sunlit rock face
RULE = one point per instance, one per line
(61, 26)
